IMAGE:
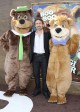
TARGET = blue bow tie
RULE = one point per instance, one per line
(58, 42)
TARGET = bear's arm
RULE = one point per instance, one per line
(4, 41)
(73, 44)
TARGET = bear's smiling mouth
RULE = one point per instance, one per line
(23, 28)
(58, 36)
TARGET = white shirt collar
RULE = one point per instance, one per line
(16, 33)
(41, 32)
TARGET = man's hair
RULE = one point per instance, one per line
(39, 20)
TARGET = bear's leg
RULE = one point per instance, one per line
(53, 91)
(9, 93)
(11, 76)
(61, 100)
(25, 73)
(52, 73)
(53, 97)
(61, 88)
(64, 82)
(11, 80)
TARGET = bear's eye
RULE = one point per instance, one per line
(25, 17)
(18, 17)
(63, 26)
(55, 25)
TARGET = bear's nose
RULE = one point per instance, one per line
(22, 21)
(58, 30)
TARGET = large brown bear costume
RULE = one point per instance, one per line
(17, 70)
(59, 70)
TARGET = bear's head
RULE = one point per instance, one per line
(21, 19)
(50, 12)
(60, 27)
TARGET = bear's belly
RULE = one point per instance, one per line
(59, 53)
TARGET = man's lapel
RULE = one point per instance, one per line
(33, 39)
(44, 38)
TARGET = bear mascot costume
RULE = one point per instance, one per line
(61, 46)
(16, 43)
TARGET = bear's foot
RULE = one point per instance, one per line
(52, 99)
(61, 100)
(23, 92)
(9, 93)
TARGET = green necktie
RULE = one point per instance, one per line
(20, 48)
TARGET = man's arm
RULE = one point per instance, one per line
(49, 35)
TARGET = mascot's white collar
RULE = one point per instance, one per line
(25, 34)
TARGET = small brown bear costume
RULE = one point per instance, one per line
(17, 70)
(59, 70)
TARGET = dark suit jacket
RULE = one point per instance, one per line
(47, 36)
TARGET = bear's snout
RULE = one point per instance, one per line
(21, 21)
(58, 30)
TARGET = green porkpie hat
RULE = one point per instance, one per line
(22, 8)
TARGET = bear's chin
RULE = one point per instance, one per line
(22, 30)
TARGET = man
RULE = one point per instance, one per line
(39, 56)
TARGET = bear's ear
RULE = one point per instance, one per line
(51, 22)
(38, 15)
(75, 11)
(12, 12)
(31, 12)
(70, 21)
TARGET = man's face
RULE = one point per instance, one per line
(39, 25)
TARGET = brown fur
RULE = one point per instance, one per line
(9, 93)
(17, 71)
(59, 71)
